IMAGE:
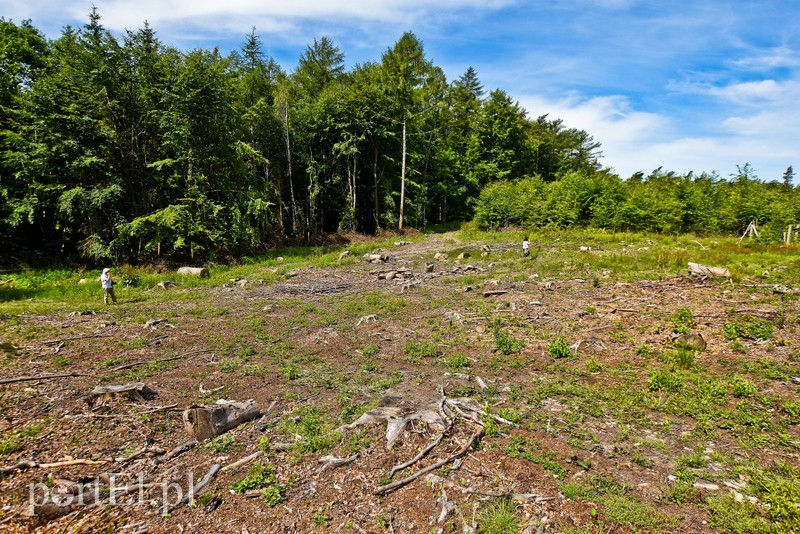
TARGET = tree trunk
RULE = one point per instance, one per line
(211, 420)
(403, 177)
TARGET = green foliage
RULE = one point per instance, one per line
(741, 387)
(220, 443)
(663, 380)
(417, 350)
(499, 517)
(683, 321)
(262, 476)
(506, 344)
(748, 327)
(558, 348)
(10, 444)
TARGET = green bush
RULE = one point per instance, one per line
(558, 348)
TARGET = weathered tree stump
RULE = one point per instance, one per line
(138, 391)
(202, 272)
(707, 270)
(211, 420)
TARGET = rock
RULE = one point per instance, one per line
(463, 255)
(440, 257)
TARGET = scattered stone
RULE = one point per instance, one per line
(463, 255)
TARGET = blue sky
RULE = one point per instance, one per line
(699, 86)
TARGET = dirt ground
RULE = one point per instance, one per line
(319, 347)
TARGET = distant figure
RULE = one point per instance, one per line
(526, 247)
(108, 286)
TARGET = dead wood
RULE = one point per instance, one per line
(494, 292)
(366, 319)
(138, 391)
(189, 498)
(211, 420)
(707, 270)
(389, 488)
(422, 454)
(40, 377)
(19, 466)
(160, 360)
(67, 463)
(332, 462)
(73, 338)
(245, 460)
(177, 451)
(202, 272)
(141, 452)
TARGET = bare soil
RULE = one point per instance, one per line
(295, 345)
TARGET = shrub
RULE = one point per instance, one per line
(558, 348)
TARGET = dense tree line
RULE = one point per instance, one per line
(126, 149)
(662, 202)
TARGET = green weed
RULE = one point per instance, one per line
(499, 517)
(558, 348)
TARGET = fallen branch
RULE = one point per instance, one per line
(160, 360)
(24, 464)
(87, 336)
(424, 452)
(494, 292)
(40, 377)
(332, 462)
(241, 462)
(177, 451)
(141, 452)
(67, 463)
(389, 488)
(189, 498)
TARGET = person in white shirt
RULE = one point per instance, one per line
(526, 247)
(108, 286)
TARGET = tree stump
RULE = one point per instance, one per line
(202, 272)
(211, 420)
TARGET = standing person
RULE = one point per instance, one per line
(526, 247)
(108, 286)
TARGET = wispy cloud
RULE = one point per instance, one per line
(700, 86)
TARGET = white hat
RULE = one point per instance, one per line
(106, 270)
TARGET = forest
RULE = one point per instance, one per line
(126, 150)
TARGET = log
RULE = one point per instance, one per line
(211, 420)
(707, 270)
(138, 391)
(202, 272)
(40, 377)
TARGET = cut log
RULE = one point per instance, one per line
(494, 293)
(707, 270)
(202, 272)
(138, 391)
(211, 420)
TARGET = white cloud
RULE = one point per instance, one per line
(635, 141)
